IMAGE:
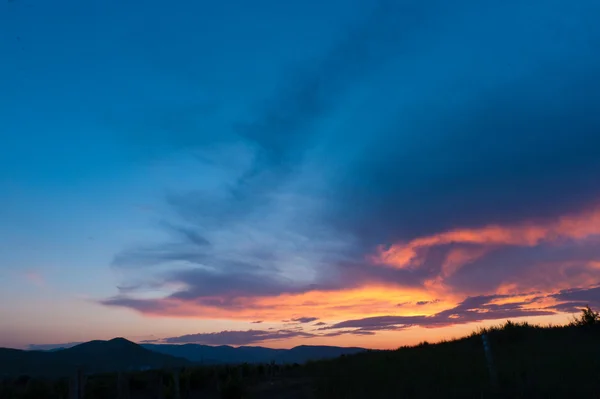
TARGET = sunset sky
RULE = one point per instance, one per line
(281, 173)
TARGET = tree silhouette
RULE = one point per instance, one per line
(587, 318)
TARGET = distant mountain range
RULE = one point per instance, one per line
(250, 354)
(119, 354)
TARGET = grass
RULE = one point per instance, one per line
(529, 362)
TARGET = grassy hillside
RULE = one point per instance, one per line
(526, 362)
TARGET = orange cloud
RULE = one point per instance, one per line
(455, 259)
(391, 299)
(458, 257)
(376, 300)
(553, 276)
(525, 291)
(528, 234)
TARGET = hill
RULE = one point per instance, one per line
(304, 353)
(526, 362)
(117, 354)
(224, 354)
(522, 361)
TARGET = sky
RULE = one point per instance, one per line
(281, 173)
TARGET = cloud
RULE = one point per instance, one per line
(305, 320)
(472, 309)
(327, 305)
(573, 300)
(236, 337)
(546, 254)
(345, 332)
(253, 336)
(426, 156)
(572, 227)
(545, 269)
(35, 278)
(285, 128)
(577, 294)
(189, 234)
(421, 303)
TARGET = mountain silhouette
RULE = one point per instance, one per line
(225, 354)
(118, 354)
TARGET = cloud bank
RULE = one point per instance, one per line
(432, 158)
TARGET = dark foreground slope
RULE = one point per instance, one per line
(117, 354)
(527, 362)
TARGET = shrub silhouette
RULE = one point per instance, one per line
(587, 318)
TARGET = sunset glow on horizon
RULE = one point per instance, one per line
(370, 174)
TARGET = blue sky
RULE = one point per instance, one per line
(181, 170)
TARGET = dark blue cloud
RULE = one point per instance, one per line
(542, 267)
(577, 298)
(305, 320)
(252, 336)
(231, 283)
(236, 337)
(499, 160)
(422, 303)
(288, 126)
(189, 234)
(424, 117)
(472, 309)
(150, 306)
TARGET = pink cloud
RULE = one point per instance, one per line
(35, 278)
(528, 234)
